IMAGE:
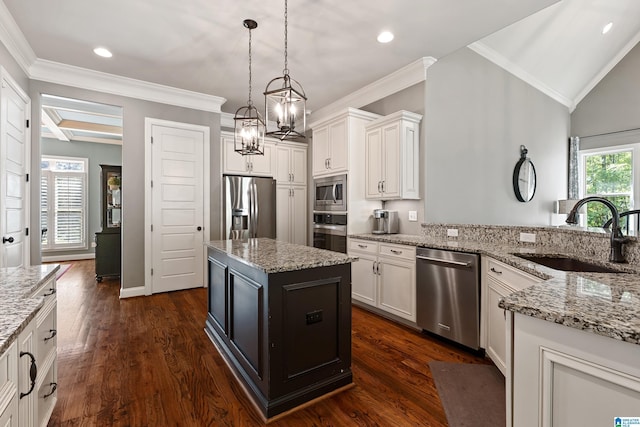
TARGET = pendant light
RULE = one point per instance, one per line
(285, 101)
(249, 126)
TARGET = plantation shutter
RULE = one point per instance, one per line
(69, 209)
(44, 208)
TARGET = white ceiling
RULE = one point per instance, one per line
(202, 46)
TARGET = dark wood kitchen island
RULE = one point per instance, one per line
(280, 315)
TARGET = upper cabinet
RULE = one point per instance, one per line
(291, 163)
(392, 157)
(237, 164)
(334, 139)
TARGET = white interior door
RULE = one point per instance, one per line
(177, 200)
(14, 158)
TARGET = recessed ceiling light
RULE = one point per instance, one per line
(607, 28)
(385, 37)
(102, 51)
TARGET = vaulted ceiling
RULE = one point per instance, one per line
(202, 46)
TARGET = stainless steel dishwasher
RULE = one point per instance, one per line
(448, 295)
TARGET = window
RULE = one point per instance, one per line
(63, 203)
(609, 174)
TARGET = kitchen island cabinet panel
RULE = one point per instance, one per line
(289, 330)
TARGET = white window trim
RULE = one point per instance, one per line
(85, 207)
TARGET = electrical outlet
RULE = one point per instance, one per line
(413, 215)
(528, 237)
(452, 232)
(93, 244)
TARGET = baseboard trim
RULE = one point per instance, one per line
(138, 291)
(74, 257)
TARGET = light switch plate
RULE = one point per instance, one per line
(413, 215)
(452, 232)
(528, 237)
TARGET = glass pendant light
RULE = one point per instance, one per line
(249, 126)
(285, 102)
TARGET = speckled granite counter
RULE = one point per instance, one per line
(607, 304)
(17, 308)
(272, 256)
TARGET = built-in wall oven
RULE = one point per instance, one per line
(330, 231)
(330, 193)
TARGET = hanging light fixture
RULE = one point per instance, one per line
(285, 101)
(249, 126)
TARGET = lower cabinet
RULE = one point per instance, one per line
(28, 369)
(291, 214)
(498, 281)
(107, 255)
(384, 276)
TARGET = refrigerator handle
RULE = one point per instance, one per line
(253, 195)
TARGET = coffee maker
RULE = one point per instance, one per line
(385, 222)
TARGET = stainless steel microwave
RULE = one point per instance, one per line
(330, 193)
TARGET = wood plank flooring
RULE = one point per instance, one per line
(147, 362)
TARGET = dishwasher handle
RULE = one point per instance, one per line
(444, 261)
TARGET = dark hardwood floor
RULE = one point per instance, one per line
(147, 362)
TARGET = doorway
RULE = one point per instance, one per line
(78, 138)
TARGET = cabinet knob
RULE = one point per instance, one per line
(496, 271)
(199, 228)
(5, 240)
(395, 251)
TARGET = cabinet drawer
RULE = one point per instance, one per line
(46, 332)
(510, 276)
(367, 246)
(398, 251)
(47, 290)
(47, 395)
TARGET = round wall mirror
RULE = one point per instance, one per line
(524, 177)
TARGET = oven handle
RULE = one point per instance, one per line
(336, 230)
(444, 261)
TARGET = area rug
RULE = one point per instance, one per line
(471, 394)
(63, 269)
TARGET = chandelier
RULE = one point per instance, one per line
(285, 101)
(249, 126)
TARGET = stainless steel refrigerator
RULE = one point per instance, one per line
(249, 207)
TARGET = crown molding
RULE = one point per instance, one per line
(606, 69)
(13, 39)
(55, 72)
(493, 56)
(403, 78)
(226, 120)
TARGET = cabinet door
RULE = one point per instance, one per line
(27, 406)
(398, 287)
(283, 164)
(373, 163)
(262, 164)
(338, 146)
(298, 216)
(320, 150)
(496, 324)
(8, 381)
(298, 166)
(391, 161)
(363, 278)
(283, 212)
(233, 162)
(9, 417)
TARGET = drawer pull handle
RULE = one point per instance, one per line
(53, 333)
(395, 251)
(54, 387)
(33, 373)
(363, 246)
(51, 292)
(496, 271)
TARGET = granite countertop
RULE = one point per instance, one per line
(17, 307)
(273, 256)
(606, 304)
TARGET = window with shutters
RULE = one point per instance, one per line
(63, 203)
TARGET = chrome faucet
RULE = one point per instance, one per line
(617, 238)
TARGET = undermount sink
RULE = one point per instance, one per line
(567, 264)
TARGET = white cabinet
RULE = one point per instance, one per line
(498, 281)
(9, 387)
(384, 276)
(330, 150)
(564, 376)
(291, 164)
(237, 164)
(392, 157)
(291, 214)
